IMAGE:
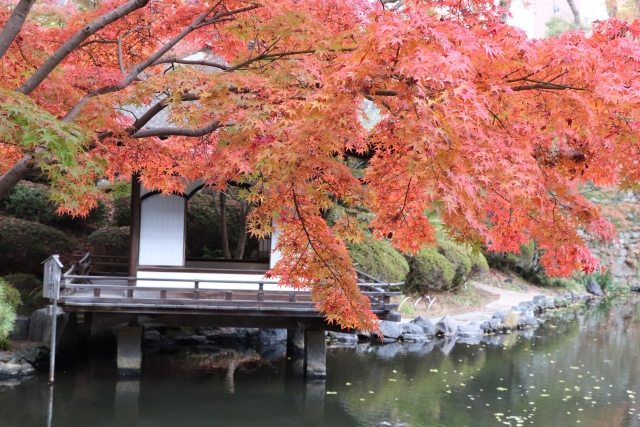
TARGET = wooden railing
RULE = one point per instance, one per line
(81, 284)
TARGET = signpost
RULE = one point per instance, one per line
(51, 290)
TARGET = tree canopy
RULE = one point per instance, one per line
(487, 128)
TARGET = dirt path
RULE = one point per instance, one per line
(506, 300)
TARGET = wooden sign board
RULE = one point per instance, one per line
(52, 276)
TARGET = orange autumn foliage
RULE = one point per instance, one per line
(490, 129)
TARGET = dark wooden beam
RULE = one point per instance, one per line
(134, 248)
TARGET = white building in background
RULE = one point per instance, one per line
(532, 18)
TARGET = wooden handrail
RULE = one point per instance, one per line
(158, 279)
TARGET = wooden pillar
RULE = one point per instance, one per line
(134, 233)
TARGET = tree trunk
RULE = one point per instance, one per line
(506, 5)
(18, 172)
(75, 41)
(14, 25)
(242, 236)
(223, 226)
(612, 8)
(576, 14)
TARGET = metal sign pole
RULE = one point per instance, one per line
(51, 290)
(54, 329)
(50, 411)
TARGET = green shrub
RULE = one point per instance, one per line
(112, 241)
(379, 259)
(7, 315)
(11, 295)
(526, 264)
(31, 203)
(479, 265)
(605, 280)
(24, 245)
(468, 265)
(30, 289)
(460, 257)
(122, 211)
(429, 271)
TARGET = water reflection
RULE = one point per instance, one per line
(579, 368)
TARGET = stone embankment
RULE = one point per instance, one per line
(446, 332)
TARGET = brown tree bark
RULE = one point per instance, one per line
(576, 14)
(612, 8)
(14, 25)
(25, 167)
(242, 235)
(224, 235)
(506, 5)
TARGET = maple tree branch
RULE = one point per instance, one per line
(495, 116)
(156, 108)
(122, 36)
(382, 92)
(310, 242)
(174, 131)
(275, 56)
(219, 17)
(105, 41)
(546, 86)
(75, 41)
(25, 167)
(14, 24)
(199, 22)
(138, 68)
(190, 62)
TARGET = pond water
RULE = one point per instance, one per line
(580, 368)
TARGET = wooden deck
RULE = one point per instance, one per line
(82, 290)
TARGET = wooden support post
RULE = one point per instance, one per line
(260, 296)
(228, 296)
(260, 286)
(134, 230)
(96, 293)
(292, 297)
(163, 294)
(196, 292)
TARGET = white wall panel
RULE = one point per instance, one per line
(275, 255)
(227, 281)
(162, 230)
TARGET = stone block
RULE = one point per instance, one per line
(66, 330)
(594, 288)
(295, 341)
(414, 338)
(271, 336)
(315, 354)
(500, 316)
(20, 329)
(411, 328)
(446, 326)
(428, 328)
(390, 329)
(129, 359)
(471, 330)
